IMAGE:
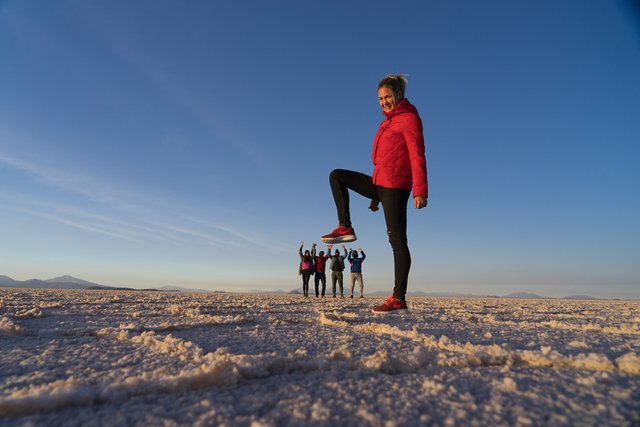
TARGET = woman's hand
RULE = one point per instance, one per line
(419, 202)
(374, 205)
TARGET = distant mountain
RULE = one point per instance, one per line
(70, 280)
(62, 282)
(524, 295)
(65, 282)
(6, 281)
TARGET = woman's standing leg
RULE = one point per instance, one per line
(394, 203)
(305, 283)
(303, 275)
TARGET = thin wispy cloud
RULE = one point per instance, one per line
(253, 240)
(83, 219)
(79, 225)
(61, 179)
(204, 237)
(73, 216)
(123, 45)
(126, 202)
(142, 230)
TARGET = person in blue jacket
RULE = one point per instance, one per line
(356, 270)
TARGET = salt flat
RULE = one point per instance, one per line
(115, 358)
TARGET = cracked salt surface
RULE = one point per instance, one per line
(135, 358)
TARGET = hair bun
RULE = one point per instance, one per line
(398, 77)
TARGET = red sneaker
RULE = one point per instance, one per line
(340, 235)
(391, 304)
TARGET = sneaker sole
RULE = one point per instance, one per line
(341, 239)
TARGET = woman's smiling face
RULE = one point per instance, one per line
(387, 99)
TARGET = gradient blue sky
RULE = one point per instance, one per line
(150, 143)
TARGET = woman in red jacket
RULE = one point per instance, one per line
(399, 166)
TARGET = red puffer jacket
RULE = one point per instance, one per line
(398, 151)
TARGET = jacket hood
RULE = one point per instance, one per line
(403, 106)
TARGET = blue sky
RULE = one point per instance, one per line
(155, 143)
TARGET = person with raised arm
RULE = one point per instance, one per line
(356, 270)
(337, 266)
(305, 269)
(320, 262)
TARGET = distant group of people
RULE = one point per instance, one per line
(314, 264)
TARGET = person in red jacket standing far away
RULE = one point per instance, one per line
(319, 262)
(399, 166)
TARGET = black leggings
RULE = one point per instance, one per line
(394, 204)
(306, 275)
(321, 277)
